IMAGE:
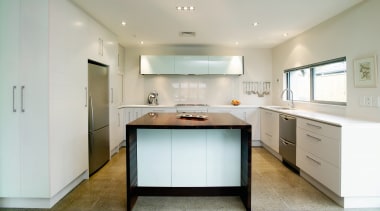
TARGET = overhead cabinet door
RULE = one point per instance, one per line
(157, 64)
(191, 65)
(232, 65)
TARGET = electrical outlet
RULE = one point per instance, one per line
(367, 100)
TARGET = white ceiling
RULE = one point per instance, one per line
(215, 22)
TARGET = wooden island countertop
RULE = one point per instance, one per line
(171, 121)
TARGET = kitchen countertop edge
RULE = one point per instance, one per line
(331, 119)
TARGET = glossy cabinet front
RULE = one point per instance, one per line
(191, 65)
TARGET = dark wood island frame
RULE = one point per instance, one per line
(169, 121)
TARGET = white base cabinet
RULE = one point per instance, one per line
(270, 129)
(341, 160)
(188, 158)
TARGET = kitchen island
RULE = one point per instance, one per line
(172, 156)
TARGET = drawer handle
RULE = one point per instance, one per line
(316, 126)
(313, 137)
(315, 161)
(268, 135)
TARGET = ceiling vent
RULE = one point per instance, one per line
(187, 34)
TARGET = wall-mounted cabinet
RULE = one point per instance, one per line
(229, 65)
(197, 65)
(191, 65)
(157, 65)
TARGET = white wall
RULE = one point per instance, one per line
(209, 89)
(354, 34)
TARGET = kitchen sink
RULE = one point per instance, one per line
(281, 107)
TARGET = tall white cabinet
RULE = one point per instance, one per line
(23, 99)
(43, 63)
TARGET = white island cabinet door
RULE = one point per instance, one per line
(154, 157)
(189, 158)
(223, 157)
(191, 65)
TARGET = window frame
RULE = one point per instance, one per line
(312, 67)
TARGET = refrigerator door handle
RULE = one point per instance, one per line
(91, 115)
(14, 91)
(91, 126)
(22, 98)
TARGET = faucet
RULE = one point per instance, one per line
(291, 96)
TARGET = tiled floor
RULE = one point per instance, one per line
(274, 188)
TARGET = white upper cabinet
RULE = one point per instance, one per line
(191, 65)
(157, 64)
(231, 65)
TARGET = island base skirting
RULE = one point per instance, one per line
(189, 191)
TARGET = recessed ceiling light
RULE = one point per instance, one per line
(123, 23)
(236, 43)
(285, 34)
(142, 42)
(185, 8)
(255, 24)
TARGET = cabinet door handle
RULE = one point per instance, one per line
(13, 103)
(268, 134)
(86, 96)
(118, 116)
(313, 137)
(22, 98)
(316, 126)
(315, 161)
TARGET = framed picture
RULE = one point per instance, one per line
(365, 72)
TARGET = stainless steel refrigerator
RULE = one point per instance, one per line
(98, 116)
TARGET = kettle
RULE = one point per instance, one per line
(152, 98)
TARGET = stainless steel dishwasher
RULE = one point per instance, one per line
(288, 140)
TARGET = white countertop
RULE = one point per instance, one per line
(169, 106)
(322, 117)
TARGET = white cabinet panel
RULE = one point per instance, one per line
(47, 46)
(319, 128)
(270, 129)
(158, 110)
(223, 157)
(9, 98)
(319, 145)
(154, 157)
(322, 171)
(189, 158)
(191, 64)
(226, 65)
(156, 64)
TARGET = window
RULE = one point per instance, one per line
(323, 82)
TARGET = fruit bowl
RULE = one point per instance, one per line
(235, 102)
